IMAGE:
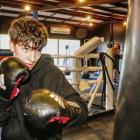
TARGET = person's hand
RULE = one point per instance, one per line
(43, 107)
(13, 72)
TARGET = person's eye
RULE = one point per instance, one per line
(38, 52)
(26, 49)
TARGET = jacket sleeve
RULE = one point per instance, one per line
(66, 90)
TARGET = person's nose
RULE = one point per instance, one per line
(32, 56)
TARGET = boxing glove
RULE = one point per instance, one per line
(43, 107)
(13, 72)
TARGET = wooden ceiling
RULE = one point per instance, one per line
(69, 12)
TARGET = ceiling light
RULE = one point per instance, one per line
(124, 23)
(81, 0)
(88, 18)
(91, 24)
(27, 7)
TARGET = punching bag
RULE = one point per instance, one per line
(127, 121)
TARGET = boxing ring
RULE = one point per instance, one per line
(83, 54)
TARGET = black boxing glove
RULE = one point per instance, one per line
(43, 107)
(13, 72)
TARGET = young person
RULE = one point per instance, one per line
(46, 96)
(116, 57)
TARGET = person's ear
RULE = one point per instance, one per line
(11, 44)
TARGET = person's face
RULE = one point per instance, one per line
(26, 53)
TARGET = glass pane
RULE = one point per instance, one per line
(67, 47)
(74, 45)
(51, 48)
(64, 49)
(4, 41)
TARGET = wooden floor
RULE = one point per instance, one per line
(100, 128)
(95, 129)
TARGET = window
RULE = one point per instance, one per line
(67, 47)
(62, 47)
(4, 41)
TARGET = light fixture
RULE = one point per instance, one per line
(124, 23)
(91, 24)
(81, 0)
(27, 6)
(88, 18)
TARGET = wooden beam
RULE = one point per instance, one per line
(110, 10)
(76, 5)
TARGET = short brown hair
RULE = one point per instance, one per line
(28, 30)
